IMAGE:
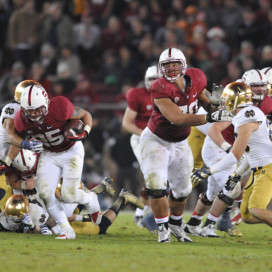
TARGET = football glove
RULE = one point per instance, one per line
(78, 136)
(199, 175)
(26, 219)
(216, 95)
(34, 145)
(3, 168)
(45, 230)
(219, 116)
(232, 187)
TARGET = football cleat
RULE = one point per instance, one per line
(138, 220)
(107, 181)
(164, 235)
(131, 198)
(179, 233)
(67, 234)
(209, 231)
(193, 230)
(234, 232)
(237, 218)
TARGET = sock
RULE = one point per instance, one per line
(139, 212)
(163, 221)
(104, 225)
(195, 219)
(175, 220)
(211, 220)
(117, 205)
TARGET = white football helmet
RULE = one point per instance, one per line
(26, 162)
(171, 55)
(21, 86)
(257, 81)
(151, 74)
(34, 103)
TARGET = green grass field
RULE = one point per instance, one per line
(128, 248)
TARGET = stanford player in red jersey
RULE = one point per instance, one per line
(165, 154)
(135, 119)
(61, 157)
(223, 136)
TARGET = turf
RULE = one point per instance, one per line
(128, 248)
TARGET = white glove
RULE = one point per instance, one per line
(219, 116)
(216, 95)
(45, 230)
(26, 219)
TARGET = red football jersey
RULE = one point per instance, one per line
(139, 100)
(186, 100)
(50, 132)
(266, 108)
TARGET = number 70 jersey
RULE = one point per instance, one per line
(50, 132)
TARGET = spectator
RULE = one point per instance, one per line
(57, 28)
(48, 60)
(234, 73)
(24, 33)
(266, 56)
(114, 36)
(87, 41)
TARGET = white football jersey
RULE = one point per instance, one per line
(260, 144)
(8, 111)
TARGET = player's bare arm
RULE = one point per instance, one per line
(174, 114)
(12, 136)
(242, 140)
(128, 122)
(82, 114)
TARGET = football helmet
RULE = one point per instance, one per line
(151, 74)
(21, 86)
(268, 72)
(16, 206)
(172, 55)
(34, 103)
(257, 81)
(236, 95)
(26, 162)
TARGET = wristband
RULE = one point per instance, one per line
(87, 128)
(78, 217)
(226, 146)
(8, 161)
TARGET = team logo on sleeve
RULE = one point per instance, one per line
(9, 111)
(250, 113)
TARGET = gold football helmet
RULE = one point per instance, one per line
(21, 86)
(17, 205)
(236, 95)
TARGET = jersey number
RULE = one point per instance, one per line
(192, 108)
(50, 138)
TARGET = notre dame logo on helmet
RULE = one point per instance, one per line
(250, 113)
(9, 111)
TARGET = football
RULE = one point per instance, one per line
(71, 126)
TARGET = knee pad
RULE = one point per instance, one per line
(225, 199)
(203, 198)
(156, 193)
(180, 199)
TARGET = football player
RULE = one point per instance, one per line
(18, 216)
(220, 141)
(135, 119)
(8, 135)
(254, 137)
(45, 120)
(166, 156)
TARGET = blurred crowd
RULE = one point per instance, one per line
(94, 51)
